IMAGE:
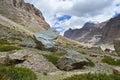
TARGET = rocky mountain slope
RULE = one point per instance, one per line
(96, 34)
(24, 14)
(19, 21)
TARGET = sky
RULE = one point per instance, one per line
(65, 14)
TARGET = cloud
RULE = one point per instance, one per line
(89, 7)
(64, 14)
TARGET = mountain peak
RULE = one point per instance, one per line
(89, 25)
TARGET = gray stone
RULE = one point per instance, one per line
(116, 70)
(46, 39)
(72, 60)
(117, 46)
(29, 59)
(38, 63)
(18, 55)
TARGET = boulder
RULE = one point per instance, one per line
(72, 60)
(116, 70)
(46, 39)
(38, 63)
(28, 59)
(117, 46)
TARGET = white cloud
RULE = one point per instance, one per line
(80, 11)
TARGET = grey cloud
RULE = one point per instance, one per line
(89, 7)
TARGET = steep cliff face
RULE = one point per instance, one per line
(23, 13)
(111, 30)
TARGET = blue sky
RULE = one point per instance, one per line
(65, 14)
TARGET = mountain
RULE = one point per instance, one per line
(24, 14)
(89, 33)
(19, 21)
(96, 34)
(111, 30)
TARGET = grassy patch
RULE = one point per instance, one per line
(45, 73)
(6, 48)
(16, 73)
(93, 77)
(51, 58)
(82, 52)
(111, 61)
(15, 38)
(4, 42)
(90, 63)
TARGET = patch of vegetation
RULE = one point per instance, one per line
(45, 73)
(51, 58)
(90, 63)
(111, 61)
(3, 42)
(82, 52)
(15, 38)
(6, 48)
(16, 73)
(94, 77)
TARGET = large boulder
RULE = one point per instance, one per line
(38, 63)
(46, 39)
(117, 46)
(72, 60)
(29, 59)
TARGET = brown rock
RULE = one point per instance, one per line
(116, 70)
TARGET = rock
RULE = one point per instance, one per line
(117, 46)
(37, 63)
(116, 70)
(72, 60)
(20, 55)
(46, 39)
(28, 59)
(13, 57)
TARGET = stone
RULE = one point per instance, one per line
(38, 63)
(46, 39)
(18, 55)
(116, 70)
(117, 46)
(29, 59)
(72, 60)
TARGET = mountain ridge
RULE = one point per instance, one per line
(104, 33)
(24, 14)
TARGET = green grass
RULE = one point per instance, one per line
(51, 58)
(93, 77)
(16, 73)
(82, 52)
(15, 38)
(6, 48)
(111, 61)
(4, 42)
(45, 73)
(90, 63)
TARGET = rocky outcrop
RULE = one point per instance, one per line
(46, 39)
(116, 70)
(117, 46)
(72, 60)
(24, 13)
(29, 59)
